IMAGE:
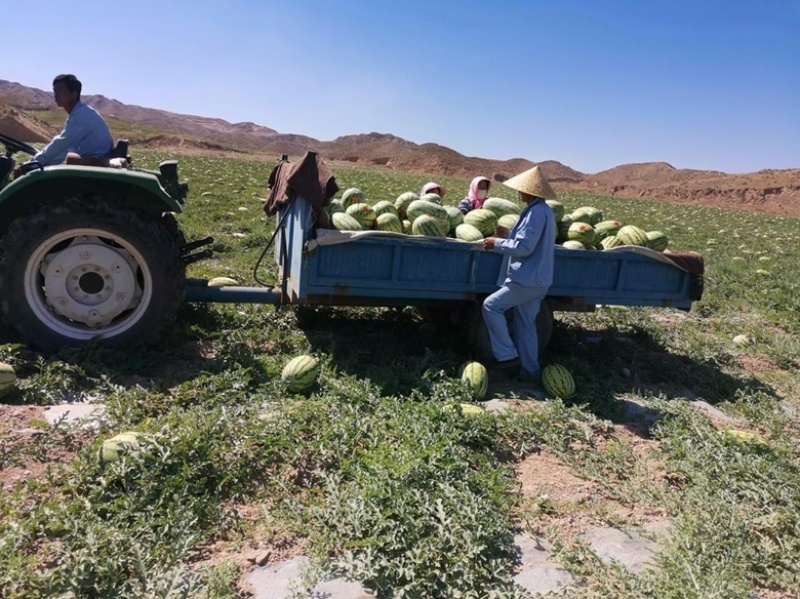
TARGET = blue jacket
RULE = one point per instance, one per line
(85, 133)
(530, 248)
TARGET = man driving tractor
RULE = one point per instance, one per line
(85, 140)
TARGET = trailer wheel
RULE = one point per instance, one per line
(479, 334)
(86, 270)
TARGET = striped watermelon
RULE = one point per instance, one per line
(402, 202)
(595, 215)
(631, 235)
(466, 232)
(610, 242)
(389, 222)
(656, 240)
(558, 209)
(344, 222)
(501, 207)
(300, 372)
(114, 448)
(562, 228)
(558, 382)
(363, 213)
(8, 378)
(407, 227)
(455, 217)
(508, 221)
(476, 378)
(572, 244)
(352, 196)
(420, 207)
(384, 207)
(483, 220)
(335, 206)
(606, 228)
(583, 232)
(581, 216)
(432, 197)
(429, 226)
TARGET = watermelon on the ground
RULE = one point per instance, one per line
(466, 232)
(402, 202)
(222, 282)
(483, 220)
(114, 448)
(501, 207)
(558, 381)
(344, 222)
(8, 379)
(300, 372)
(476, 378)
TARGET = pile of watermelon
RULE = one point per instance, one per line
(587, 229)
(415, 215)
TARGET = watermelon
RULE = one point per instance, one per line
(8, 379)
(572, 244)
(384, 207)
(631, 235)
(501, 207)
(428, 225)
(112, 449)
(222, 282)
(508, 221)
(610, 242)
(656, 240)
(562, 228)
(407, 227)
(352, 196)
(455, 217)
(581, 216)
(467, 409)
(606, 228)
(595, 215)
(466, 232)
(402, 202)
(335, 206)
(389, 222)
(476, 378)
(558, 382)
(420, 207)
(432, 197)
(363, 213)
(483, 220)
(344, 222)
(558, 209)
(580, 231)
(300, 372)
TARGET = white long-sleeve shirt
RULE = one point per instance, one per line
(85, 133)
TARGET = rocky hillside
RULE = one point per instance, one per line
(776, 191)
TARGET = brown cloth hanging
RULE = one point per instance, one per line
(309, 178)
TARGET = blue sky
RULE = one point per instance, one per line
(706, 84)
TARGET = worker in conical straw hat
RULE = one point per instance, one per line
(525, 277)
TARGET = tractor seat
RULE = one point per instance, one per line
(120, 151)
(6, 165)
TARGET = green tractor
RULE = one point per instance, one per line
(89, 252)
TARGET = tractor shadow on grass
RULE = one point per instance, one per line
(615, 373)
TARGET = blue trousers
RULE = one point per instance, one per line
(526, 302)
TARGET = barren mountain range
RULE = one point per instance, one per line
(774, 191)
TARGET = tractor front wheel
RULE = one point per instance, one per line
(87, 270)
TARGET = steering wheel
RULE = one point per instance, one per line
(12, 145)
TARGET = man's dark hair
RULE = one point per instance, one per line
(71, 81)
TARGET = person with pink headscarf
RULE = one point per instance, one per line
(432, 188)
(478, 192)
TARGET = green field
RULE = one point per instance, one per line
(371, 477)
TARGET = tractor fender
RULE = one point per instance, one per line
(139, 189)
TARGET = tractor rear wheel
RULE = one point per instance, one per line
(87, 270)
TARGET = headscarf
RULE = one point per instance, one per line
(474, 200)
(428, 186)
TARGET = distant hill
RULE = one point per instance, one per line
(25, 113)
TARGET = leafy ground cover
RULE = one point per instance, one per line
(370, 476)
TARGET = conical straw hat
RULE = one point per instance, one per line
(533, 183)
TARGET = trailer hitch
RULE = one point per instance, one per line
(188, 254)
